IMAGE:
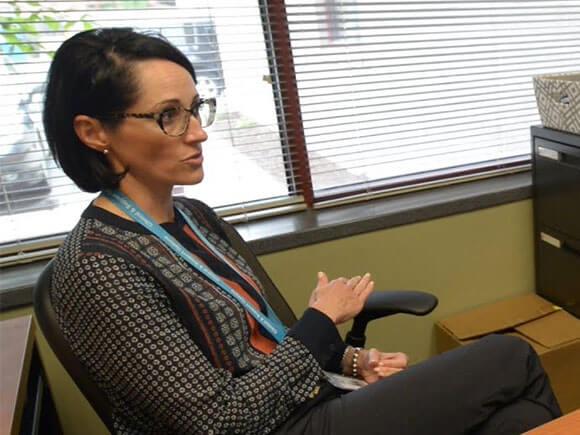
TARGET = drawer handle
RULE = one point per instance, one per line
(551, 240)
(548, 153)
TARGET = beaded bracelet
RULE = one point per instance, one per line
(355, 362)
(344, 360)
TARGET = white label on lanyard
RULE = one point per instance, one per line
(344, 382)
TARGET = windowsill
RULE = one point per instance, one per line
(314, 226)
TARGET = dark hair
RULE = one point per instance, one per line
(92, 74)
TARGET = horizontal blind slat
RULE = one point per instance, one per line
(256, 161)
(376, 78)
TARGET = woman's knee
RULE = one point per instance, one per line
(508, 344)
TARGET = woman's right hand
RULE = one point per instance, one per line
(341, 299)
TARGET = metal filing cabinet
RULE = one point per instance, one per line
(556, 187)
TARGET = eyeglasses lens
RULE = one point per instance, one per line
(175, 123)
(204, 114)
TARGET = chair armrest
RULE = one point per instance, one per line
(386, 303)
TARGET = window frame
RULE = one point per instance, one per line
(292, 137)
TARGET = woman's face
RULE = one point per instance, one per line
(153, 158)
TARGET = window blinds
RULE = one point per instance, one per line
(377, 94)
(411, 90)
(248, 163)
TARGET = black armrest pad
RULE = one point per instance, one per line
(384, 303)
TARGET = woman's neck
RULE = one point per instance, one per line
(157, 204)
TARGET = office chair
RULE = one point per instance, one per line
(379, 304)
(46, 319)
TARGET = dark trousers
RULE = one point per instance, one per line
(495, 386)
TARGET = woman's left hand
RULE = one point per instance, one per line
(375, 365)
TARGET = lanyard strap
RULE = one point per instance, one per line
(271, 314)
(271, 323)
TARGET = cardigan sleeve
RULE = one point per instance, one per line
(319, 334)
(123, 328)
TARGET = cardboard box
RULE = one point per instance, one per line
(558, 101)
(552, 332)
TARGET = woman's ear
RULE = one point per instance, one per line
(91, 132)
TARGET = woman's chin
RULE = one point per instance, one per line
(187, 178)
(195, 178)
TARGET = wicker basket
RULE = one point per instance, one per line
(558, 99)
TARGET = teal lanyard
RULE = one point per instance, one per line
(270, 322)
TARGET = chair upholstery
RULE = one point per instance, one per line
(46, 318)
(379, 304)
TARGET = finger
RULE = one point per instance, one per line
(404, 358)
(396, 359)
(313, 297)
(371, 378)
(353, 281)
(322, 279)
(362, 283)
(342, 280)
(393, 363)
(388, 371)
(367, 291)
(374, 357)
(385, 369)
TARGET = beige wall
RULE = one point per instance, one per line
(465, 260)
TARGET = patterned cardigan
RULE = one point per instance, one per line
(170, 350)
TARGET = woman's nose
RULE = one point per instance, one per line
(195, 132)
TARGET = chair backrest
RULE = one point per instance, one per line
(46, 319)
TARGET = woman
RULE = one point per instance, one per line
(171, 321)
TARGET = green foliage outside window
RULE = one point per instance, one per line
(26, 22)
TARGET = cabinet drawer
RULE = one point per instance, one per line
(558, 272)
(557, 186)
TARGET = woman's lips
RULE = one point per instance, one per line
(196, 159)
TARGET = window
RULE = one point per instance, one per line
(397, 92)
(317, 100)
(246, 161)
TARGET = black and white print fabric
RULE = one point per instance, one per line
(115, 292)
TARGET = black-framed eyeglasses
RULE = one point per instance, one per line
(174, 120)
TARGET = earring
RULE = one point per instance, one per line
(106, 151)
